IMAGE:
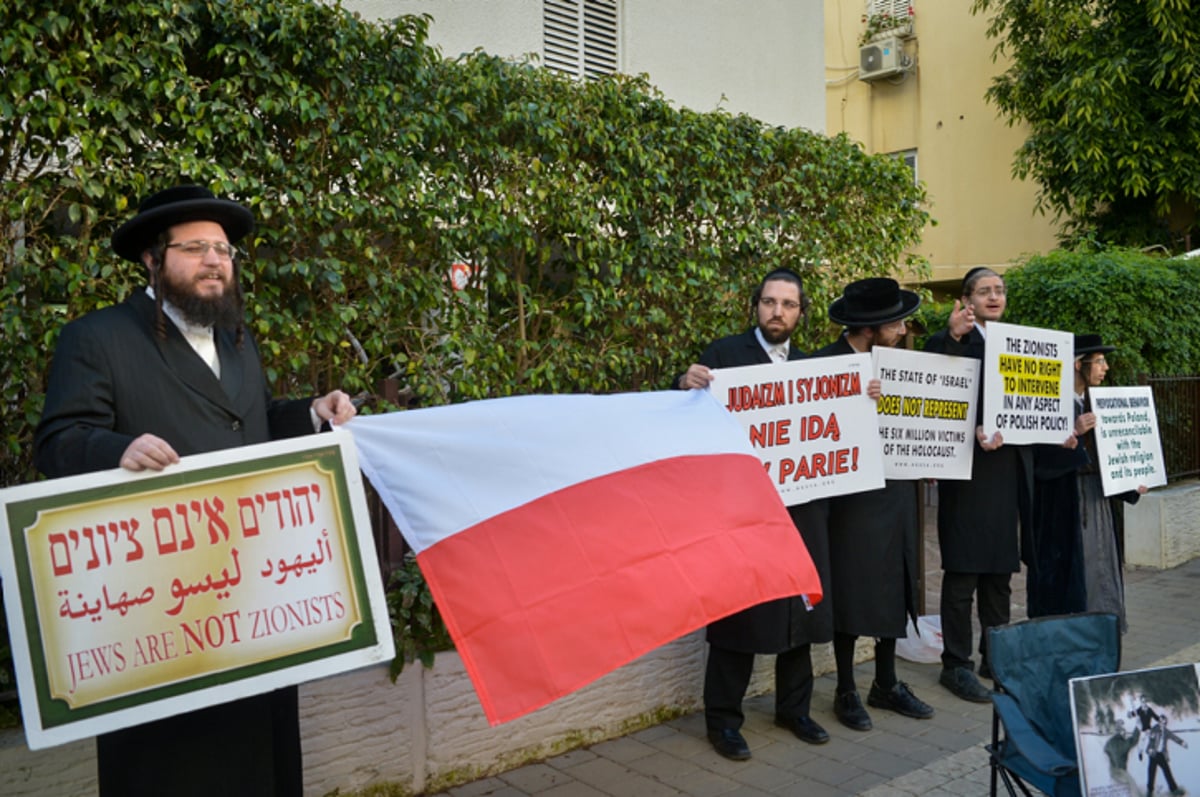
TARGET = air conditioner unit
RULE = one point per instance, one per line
(880, 59)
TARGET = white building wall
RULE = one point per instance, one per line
(764, 58)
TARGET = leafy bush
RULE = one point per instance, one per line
(416, 623)
(1143, 305)
(610, 233)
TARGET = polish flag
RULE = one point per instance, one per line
(563, 536)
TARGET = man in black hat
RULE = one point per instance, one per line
(874, 541)
(171, 372)
(782, 627)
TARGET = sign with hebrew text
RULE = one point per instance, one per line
(134, 596)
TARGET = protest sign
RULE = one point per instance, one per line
(810, 422)
(1134, 731)
(926, 413)
(1127, 442)
(131, 597)
(1028, 384)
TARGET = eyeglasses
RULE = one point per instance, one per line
(995, 290)
(225, 251)
(1096, 361)
(787, 304)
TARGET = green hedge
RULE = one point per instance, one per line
(1146, 306)
(612, 233)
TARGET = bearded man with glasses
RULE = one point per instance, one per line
(782, 627)
(169, 372)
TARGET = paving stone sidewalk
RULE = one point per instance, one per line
(900, 757)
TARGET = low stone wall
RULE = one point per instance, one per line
(1162, 530)
(427, 732)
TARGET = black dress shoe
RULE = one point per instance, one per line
(730, 743)
(899, 699)
(805, 728)
(848, 708)
(985, 671)
(963, 683)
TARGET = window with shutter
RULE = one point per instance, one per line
(580, 36)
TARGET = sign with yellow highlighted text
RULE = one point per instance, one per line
(135, 596)
(810, 421)
(1028, 384)
(926, 413)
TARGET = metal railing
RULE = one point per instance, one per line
(1177, 403)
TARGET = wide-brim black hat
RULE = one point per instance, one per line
(871, 302)
(1091, 344)
(176, 206)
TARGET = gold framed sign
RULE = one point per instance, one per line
(135, 596)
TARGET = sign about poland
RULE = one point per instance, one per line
(810, 421)
(1028, 384)
(1127, 441)
(926, 413)
(132, 597)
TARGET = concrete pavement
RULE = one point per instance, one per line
(899, 757)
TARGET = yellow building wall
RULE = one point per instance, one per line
(985, 216)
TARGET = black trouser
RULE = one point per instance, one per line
(246, 748)
(843, 656)
(1159, 761)
(728, 674)
(994, 593)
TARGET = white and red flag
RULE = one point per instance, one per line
(563, 536)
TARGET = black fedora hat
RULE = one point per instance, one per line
(1091, 344)
(874, 301)
(175, 206)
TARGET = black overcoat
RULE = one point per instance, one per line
(779, 625)
(874, 543)
(981, 520)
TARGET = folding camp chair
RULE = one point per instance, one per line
(1032, 661)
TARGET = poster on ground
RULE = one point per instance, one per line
(810, 421)
(1028, 384)
(1127, 439)
(926, 413)
(1137, 733)
(135, 596)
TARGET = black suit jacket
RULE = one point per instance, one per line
(984, 523)
(113, 379)
(874, 551)
(778, 625)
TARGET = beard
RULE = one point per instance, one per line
(776, 336)
(226, 310)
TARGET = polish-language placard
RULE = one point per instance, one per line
(1127, 440)
(1028, 384)
(132, 597)
(810, 421)
(926, 413)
